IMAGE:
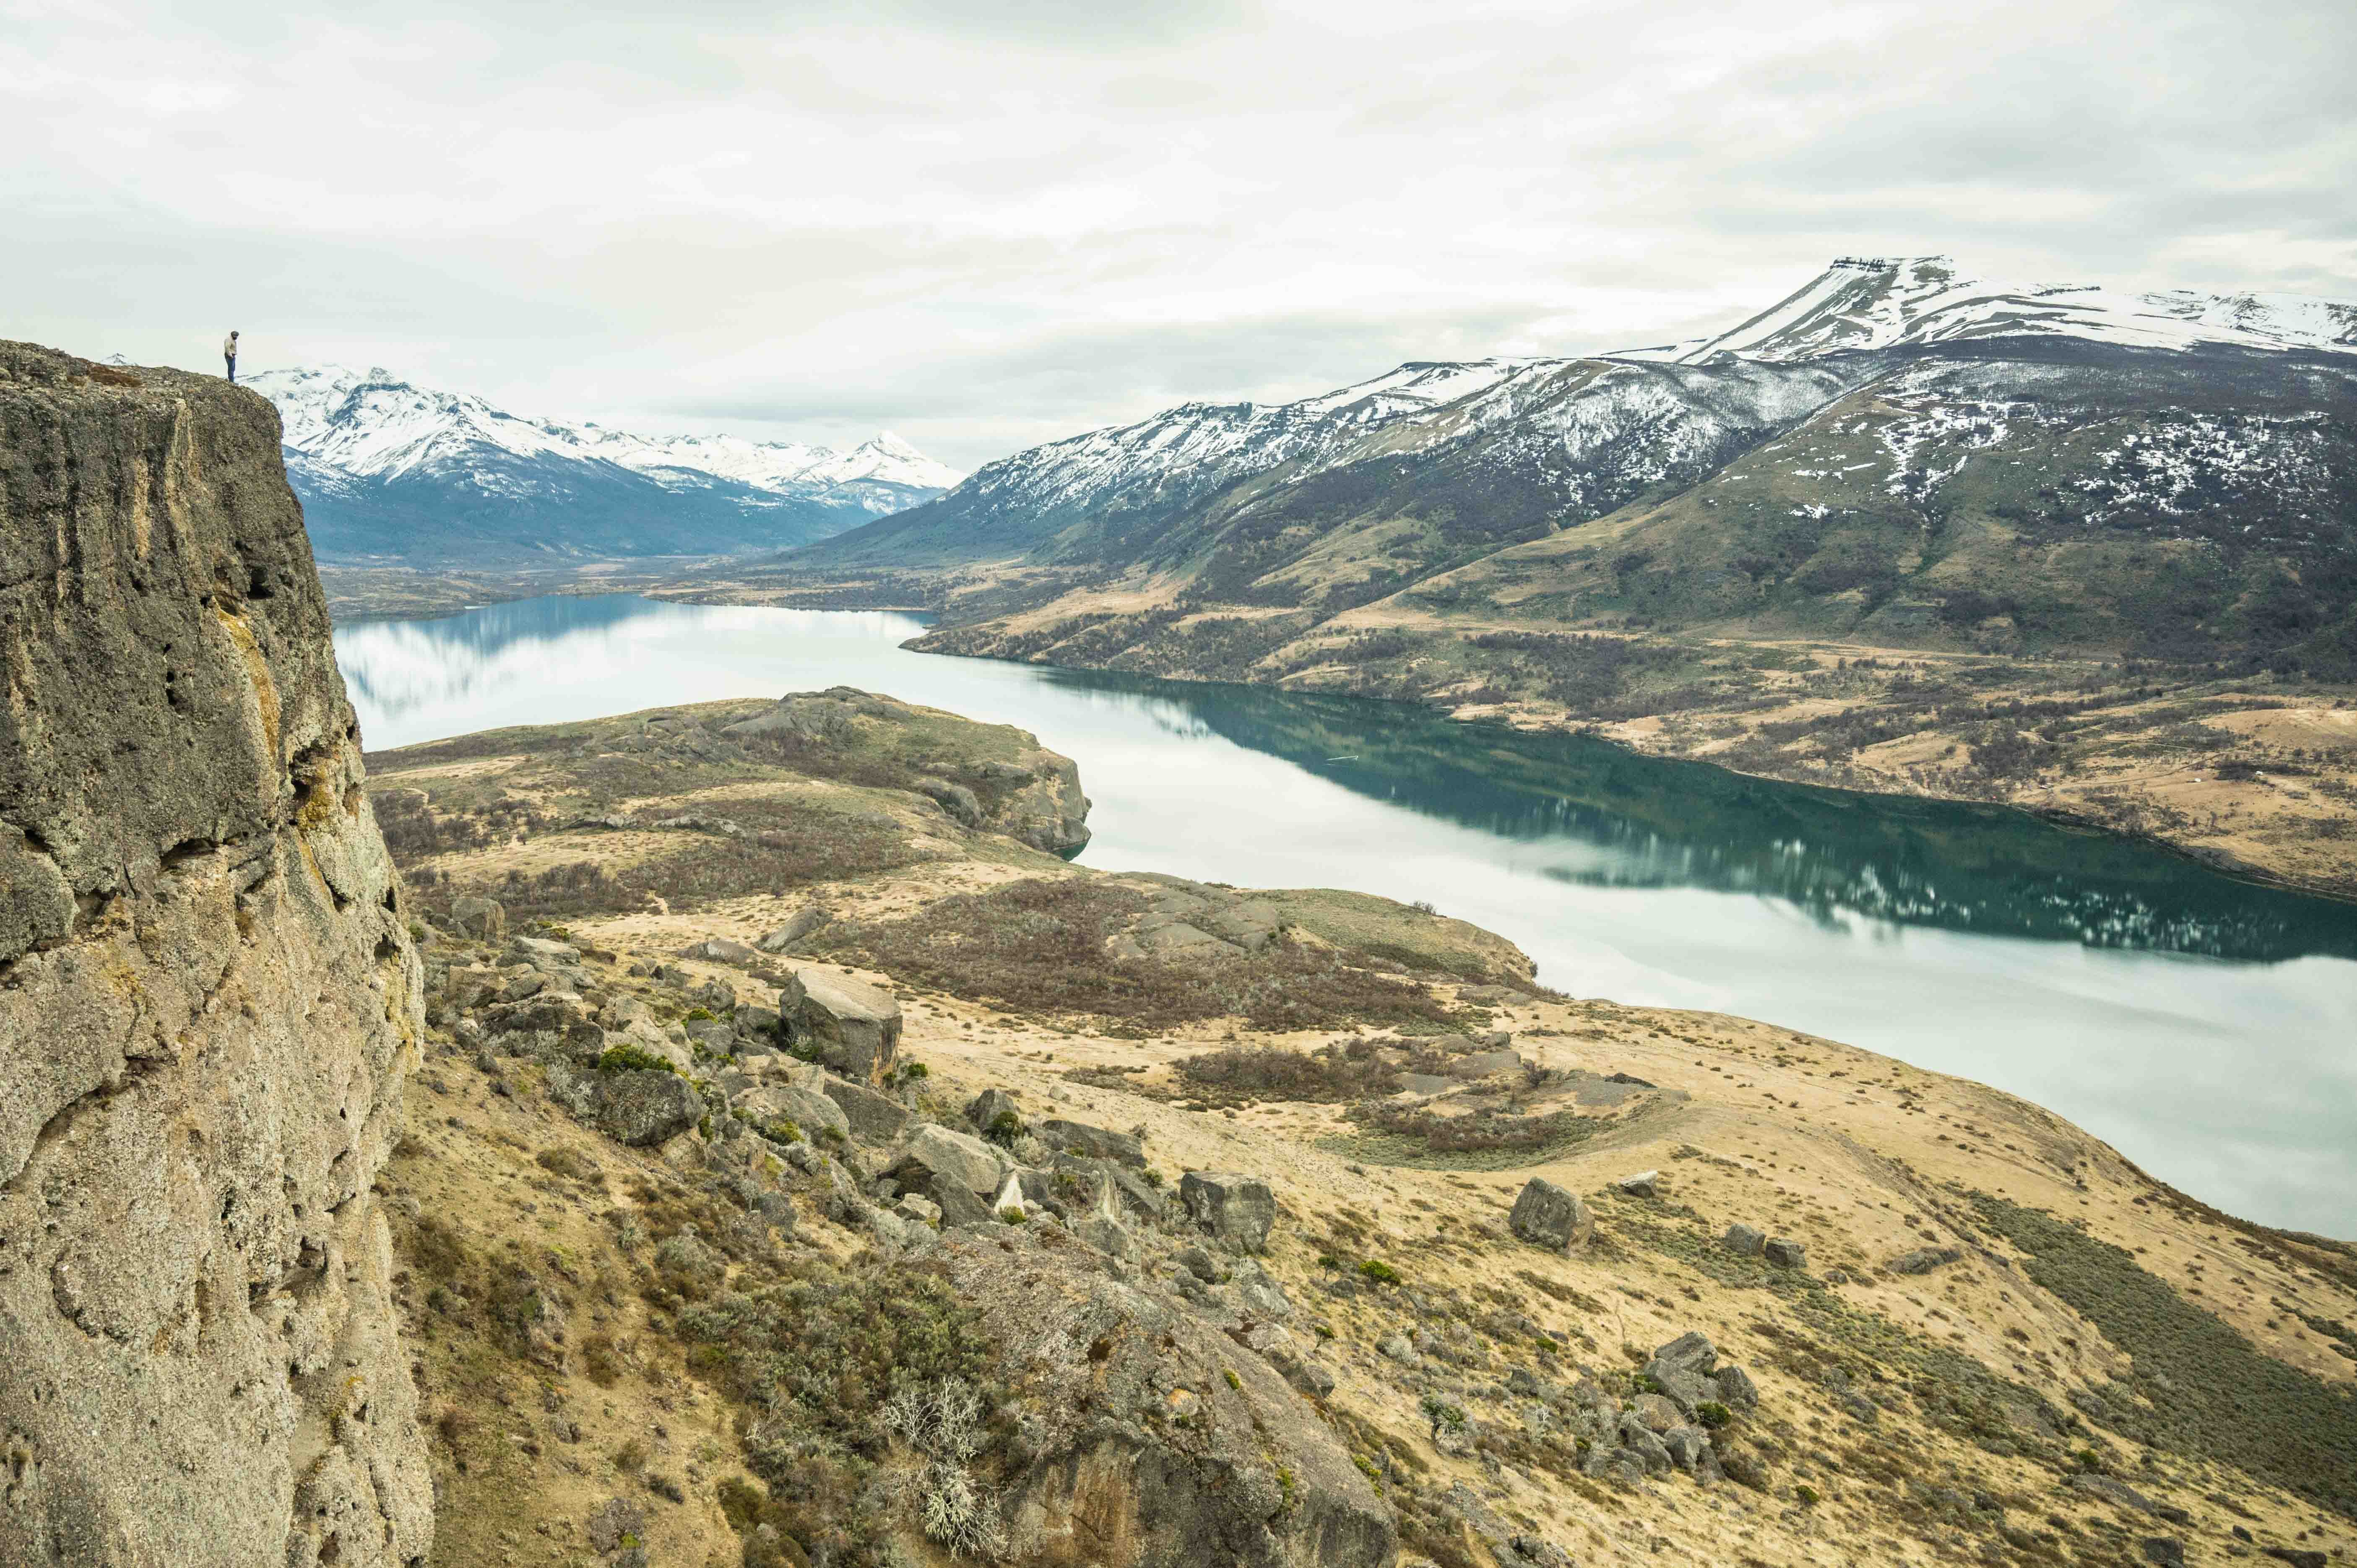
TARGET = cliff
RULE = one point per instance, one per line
(208, 1005)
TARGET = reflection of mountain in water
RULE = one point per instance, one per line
(1647, 822)
(401, 666)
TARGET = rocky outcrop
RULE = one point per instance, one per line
(208, 1005)
(1150, 1439)
(1032, 795)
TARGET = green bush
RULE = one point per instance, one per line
(1379, 1273)
(1713, 1414)
(630, 1058)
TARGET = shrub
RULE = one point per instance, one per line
(571, 1164)
(1039, 946)
(600, 1362)
(1713, 1414)
(630, 1058)
(1806, 1496)
(1377, 1271)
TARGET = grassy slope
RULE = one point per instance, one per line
(561, 1378)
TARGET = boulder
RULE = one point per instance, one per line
(645, 1107)
(1481, 1064)
(2117, 1493)
(1644, 1184)
(847, 1023)
(1744, 1240)
(873, 1117)
(1308, 1375)
(755, 1022)
(1688, 1444)
(1092, 1142)
(1544, 1215)
(1681, 1371)
(771, 1104)
(918, 1209)
(1236, 1210)
(957, 802)
(543, 952)
(482, 919)
(2166, 1551)
(1785, 1253)
(798, 926)
(932, 1150)
(1260, 1292)
(1736, 1391)
(720, 949)
(994, 1114)
(959, 1204)
(1923, 1260)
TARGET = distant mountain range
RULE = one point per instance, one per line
(1897, 452)
(389, 470)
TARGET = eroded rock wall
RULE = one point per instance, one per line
(208, 1003)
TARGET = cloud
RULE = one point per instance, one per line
(990, 223)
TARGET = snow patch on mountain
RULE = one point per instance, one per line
(1860, 303)
(345, 425)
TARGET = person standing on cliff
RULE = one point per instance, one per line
(229, 356)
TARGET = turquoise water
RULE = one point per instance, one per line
(2206, 1028)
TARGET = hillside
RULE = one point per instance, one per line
(2033, 495)
(392, 472)
(812, 1170)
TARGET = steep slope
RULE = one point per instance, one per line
(209, 1003)
(1937, 1323)
(388, 469)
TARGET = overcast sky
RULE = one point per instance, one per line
(986, 223)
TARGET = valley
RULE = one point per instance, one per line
(2082, 552)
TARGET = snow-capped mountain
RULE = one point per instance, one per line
(1894, 447)
(1865, 302)
(387, 468)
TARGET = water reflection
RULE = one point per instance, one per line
(2202, 1025)
(1833, 855)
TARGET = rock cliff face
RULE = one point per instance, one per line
(208, 1003)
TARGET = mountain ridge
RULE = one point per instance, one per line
(388, 468)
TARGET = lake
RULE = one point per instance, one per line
(2204, 1026)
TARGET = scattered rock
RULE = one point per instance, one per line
(720, 949)
(1644, 1184)
(932, 1150)
(1544, 1215)
(1092, 1142)
(850, 1025)
(993, 1113)
(483, 919)
(800, 925)
(873, 1117)
(541, 949)
(810, 1112)
(1237, 1210)
(1923, 1260)
(1744, 1240)
(614, 1519)
(1784, 1254)
(645, 1108)
(2165, 1551)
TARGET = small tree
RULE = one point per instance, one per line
(1443, 1416)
